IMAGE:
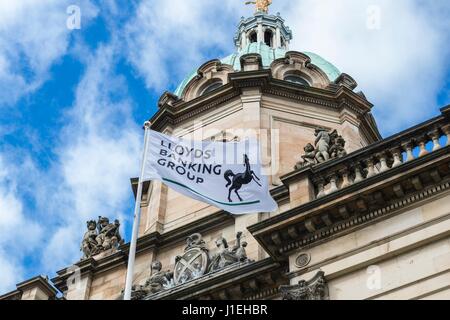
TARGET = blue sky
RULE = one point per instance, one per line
(72, 102)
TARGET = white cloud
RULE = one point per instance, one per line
(19, 234)
(33, 36)
(10, 272)
(168, 39)
(97, 157)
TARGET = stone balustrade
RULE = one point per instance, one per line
(380, 157)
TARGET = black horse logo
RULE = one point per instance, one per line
(240, 179)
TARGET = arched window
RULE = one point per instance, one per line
(253, 37)
(212, 86)
(268, 38)
(296, 79)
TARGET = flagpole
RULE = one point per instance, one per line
(137, 217)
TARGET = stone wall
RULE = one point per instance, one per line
(406, 256)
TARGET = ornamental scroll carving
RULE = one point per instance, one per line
(314, 289)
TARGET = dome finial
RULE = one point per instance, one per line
(261, 5)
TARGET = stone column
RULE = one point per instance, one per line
(243, 39)
(260, 33)
(278, 38)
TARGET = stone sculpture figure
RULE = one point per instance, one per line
(194, 263)
(310, 154)
(89, 245)
(261, 5)
(322, 144)
(100, 236)
(108, 233)
(157, 282)
(241, 254)
(226, 256)
(327, 146)
(239, 247)
(337, 149)
(223, 257)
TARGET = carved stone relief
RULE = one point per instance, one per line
(100, 236)
(195, 262)
(326, 146)
(314, 289)
(158, 281)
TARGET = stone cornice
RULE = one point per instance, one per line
(36, 282)
(335, 97)
(155, 239)
(371, 218)
(134, 184)
(13, 295)
(357, 222)
(40, 282)
(89, 267)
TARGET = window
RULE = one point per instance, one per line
(253, 37)
(212, 87)
(268, 38)
(296, 79)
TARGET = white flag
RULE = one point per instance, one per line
(224, 174)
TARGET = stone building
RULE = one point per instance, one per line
(360, 217)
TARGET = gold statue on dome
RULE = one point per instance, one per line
(261, 5)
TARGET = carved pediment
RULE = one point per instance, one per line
(298, 63)
(211, 72)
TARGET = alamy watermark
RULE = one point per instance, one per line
(373, 281)
(73, 21)
(373, 21)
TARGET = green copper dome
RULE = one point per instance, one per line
(268, 55)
